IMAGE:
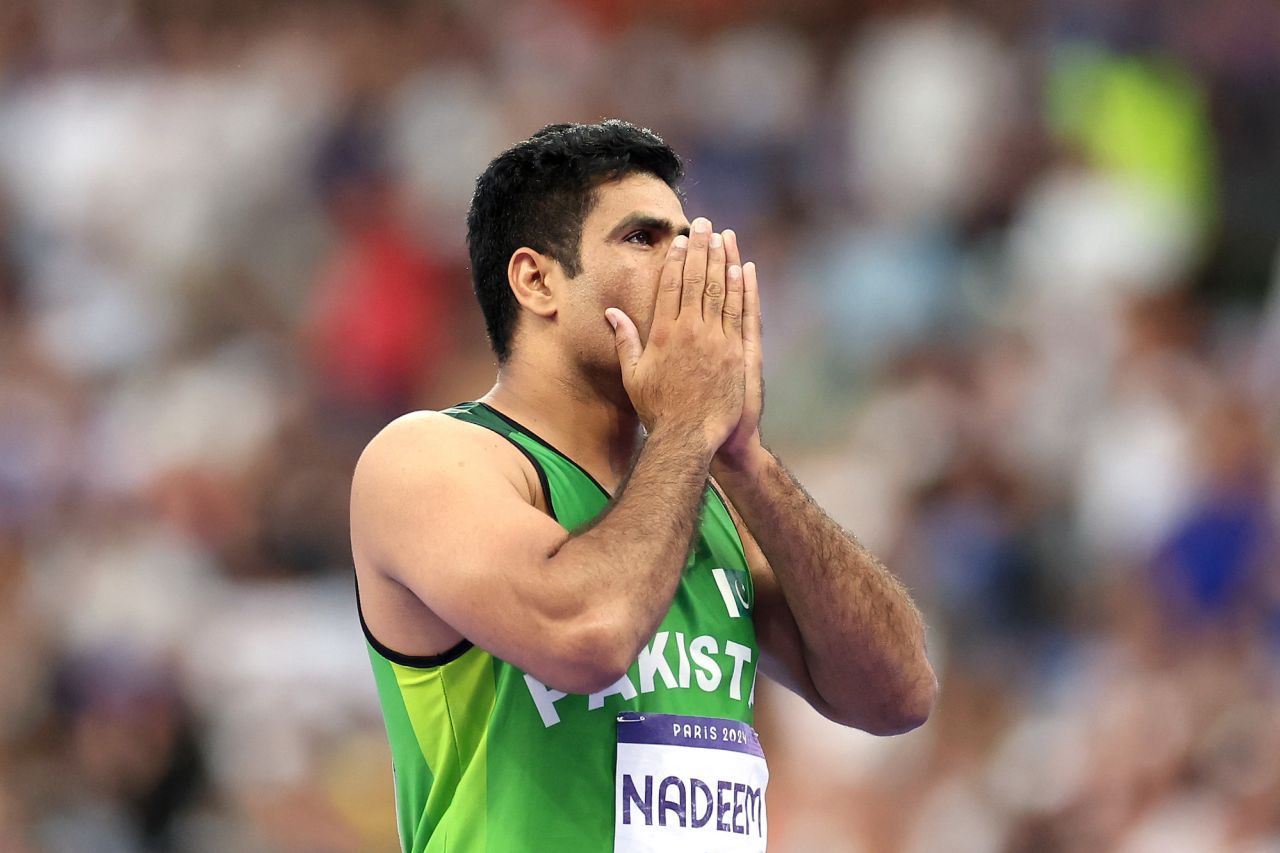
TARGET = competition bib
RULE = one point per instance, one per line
(688, 785)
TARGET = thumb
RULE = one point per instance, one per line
(625, 338)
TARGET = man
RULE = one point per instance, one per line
(565, 614)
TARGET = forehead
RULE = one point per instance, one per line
(631, 194)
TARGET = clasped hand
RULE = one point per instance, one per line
(702, 366)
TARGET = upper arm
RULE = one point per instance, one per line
(782, 656)
(440, 507)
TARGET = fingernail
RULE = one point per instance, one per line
(680, 242)
(613, 320)
(716, 241)
(701, 225)
(735, 271)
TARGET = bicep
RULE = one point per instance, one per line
(436, 510)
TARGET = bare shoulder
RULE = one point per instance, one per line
(427, 447)
(437, 506)
(433, 462)
(422, 437)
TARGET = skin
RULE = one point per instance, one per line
(650, 333)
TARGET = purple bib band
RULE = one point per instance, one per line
(679, 730)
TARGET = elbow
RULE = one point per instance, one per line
(904, 702)
(912, 697)
(910, 706)
(594, 657)
(905, 716)
(591, 676)
(582, 646)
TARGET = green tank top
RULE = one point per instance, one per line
(486, 758)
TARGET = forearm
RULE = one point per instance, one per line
(863, 637)
(646, 532)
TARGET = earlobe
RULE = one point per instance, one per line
(527, 274)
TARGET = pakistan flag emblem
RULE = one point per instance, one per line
(732, 584)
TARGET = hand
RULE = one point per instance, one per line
(744, 440)
(690, 374)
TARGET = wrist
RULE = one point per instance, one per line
(737, 461)
(685, 440)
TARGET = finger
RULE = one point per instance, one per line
(626, 339)
(733, 302)
(713, 295)
(731, 253)
(670, 282)
(750, 306)
(695, 268)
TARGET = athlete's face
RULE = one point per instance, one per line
(624, 240)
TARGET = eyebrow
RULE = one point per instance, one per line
(650, 222)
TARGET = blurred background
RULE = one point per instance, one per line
(1019, 264)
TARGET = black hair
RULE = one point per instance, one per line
(538, 193)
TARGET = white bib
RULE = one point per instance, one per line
(688, 785)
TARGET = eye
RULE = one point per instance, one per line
(640, 238)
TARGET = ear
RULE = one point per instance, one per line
(528, 274)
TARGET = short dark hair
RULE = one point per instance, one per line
(538, 193)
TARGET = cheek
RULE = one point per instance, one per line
(632, 287)
(639, 300)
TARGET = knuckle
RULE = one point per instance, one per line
(715, 289)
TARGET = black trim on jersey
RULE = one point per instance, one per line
(737, 534)
(724, 502)
(537, 466)
(415, 661)
(524, 429)
(542, 475)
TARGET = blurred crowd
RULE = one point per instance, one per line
(1019, 265)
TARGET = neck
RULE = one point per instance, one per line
(570, 411)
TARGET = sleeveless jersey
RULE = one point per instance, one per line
(486, 758)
